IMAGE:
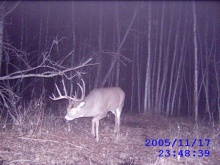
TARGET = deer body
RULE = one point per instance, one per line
(96, 104)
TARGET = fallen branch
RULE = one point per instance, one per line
(42, 140)
(53, 141)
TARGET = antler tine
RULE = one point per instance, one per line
(82, 88)
(64, 87)
(57, 90)
(56, 98)
(52, 97)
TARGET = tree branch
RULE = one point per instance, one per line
(46, 74)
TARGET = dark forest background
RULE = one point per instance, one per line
(164, 55)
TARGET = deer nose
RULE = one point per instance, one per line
(68, 118)
(65, 121)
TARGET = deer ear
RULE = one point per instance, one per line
(81, 104)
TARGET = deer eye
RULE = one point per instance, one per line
(70, 106)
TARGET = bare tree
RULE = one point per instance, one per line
(169, 107)
(205, 71)
(1, 34)
(154, 60)
(147, 96)
(47, 25)
(5, 9)
(73, 43)
(179, 79)
(195, 63)
(216, 61)
(138, 67)
(99, 58)
(217, 78)
(159, 90)
(117, 42)
(117, 53)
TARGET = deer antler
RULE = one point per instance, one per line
(83, 89)
(65, 96)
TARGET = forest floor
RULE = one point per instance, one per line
(170, 141)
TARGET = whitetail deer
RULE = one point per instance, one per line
(96, 104)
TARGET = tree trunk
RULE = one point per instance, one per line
(73, 46)
(158, 90)
(99, 58)
(195, 64)
(1, 34)
(147, 96)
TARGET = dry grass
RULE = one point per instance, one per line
(44, 139)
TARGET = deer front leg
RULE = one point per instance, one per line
(97, 130)
(116, 124)
(93, 127)
(95, 123)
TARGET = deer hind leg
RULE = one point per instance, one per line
(93, 127)
(117, 114)
(116, 120)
